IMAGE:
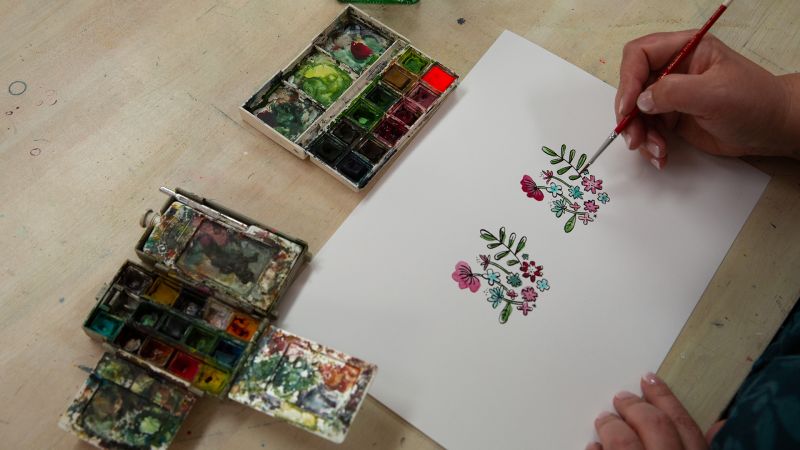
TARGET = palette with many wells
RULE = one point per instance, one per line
(193, 318)
(352, 99)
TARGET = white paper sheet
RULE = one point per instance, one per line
(621, 287)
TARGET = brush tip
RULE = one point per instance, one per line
(727, 3)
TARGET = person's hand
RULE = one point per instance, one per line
(720, 102)
(656, 422)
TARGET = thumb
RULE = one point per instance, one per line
(681, 93)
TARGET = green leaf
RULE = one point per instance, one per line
(555, 160)
(563, 149)
(511, 239)
(512, 262)
(487, 236)
(563, 170)
(548, 151)
(502, 236)
(521, 244)
(570, 223)
(501, 255)
(581, 160)
(506, 312)
(493, 245)
(574, 177)
(571, 155)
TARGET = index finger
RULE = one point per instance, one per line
(642, 56)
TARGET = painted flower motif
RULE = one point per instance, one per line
(465, 278)
(511, 294)
(591, 206)
(585, 218)
(575, 192)
(525, 307)
(531, 189)
(495, 296)
(525, 256)
(575, 206)
(603, 198)
(559, 206)
(543, 285)
(529, 294)
(492, 277)
(484, 261)
(590, 184)
(547, 175)
(530, 270)
(554, 189)
(514, 280)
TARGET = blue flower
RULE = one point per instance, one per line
(496, 295)
(603, 198)
(525, 256)
(492, 277)
(514, 280)
(575, 192)
(543, 285)
(559, 206)
(554, 189)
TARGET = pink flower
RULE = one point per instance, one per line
(529, 294)
(530, 188)
(547, 175)
(575, 206)
(591, 184)
(465, 278)
(525, 308)
(590, 206)
(511, 294)
(585, 218)
(484, 260)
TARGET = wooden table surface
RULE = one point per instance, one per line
(125, 96)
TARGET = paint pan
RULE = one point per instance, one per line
(104, 324)
(155, 352)
(147, 315)
(352, 73)
(130, 339)
(164, 292)
(190, 303)
(372, 150)
(242, 326)
(133, 279)
(228, 352)
(217, 315)
(119, 303)
(174, 326)
(184, 366)
(201, 340)
(211, 380)
(390, 130)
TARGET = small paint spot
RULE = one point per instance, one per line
(602, 61)
(773, 225)
(35, 151)
(189, 432)
(749, 359)
(17, 107)
(8, 113)
(683, 355)
(84, 368)
(717, 324)
(61, 300)
(461, 21)
(17, 87)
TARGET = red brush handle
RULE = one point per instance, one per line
(685, 51)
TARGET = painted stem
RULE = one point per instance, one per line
(500, 267)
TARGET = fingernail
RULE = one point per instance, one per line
(624, 395)
(650, 377)
(602, 415)
(645, 101)
(627, 140)
(621, 106)
(654, 149)
(656, 163)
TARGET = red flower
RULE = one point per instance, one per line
(530, 270)
(484, 261)
(530, 188)
(547, 175)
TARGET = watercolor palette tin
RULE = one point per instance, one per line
(193, 318)
(352, 99)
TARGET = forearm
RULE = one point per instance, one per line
(790, 131)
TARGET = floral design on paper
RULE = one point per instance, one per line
(514, 281)
(578, 202)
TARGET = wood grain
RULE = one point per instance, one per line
(123, 97)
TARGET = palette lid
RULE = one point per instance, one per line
(211, 247)
(310, 386)
(123, 405)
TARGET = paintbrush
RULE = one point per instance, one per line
(685, 51)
